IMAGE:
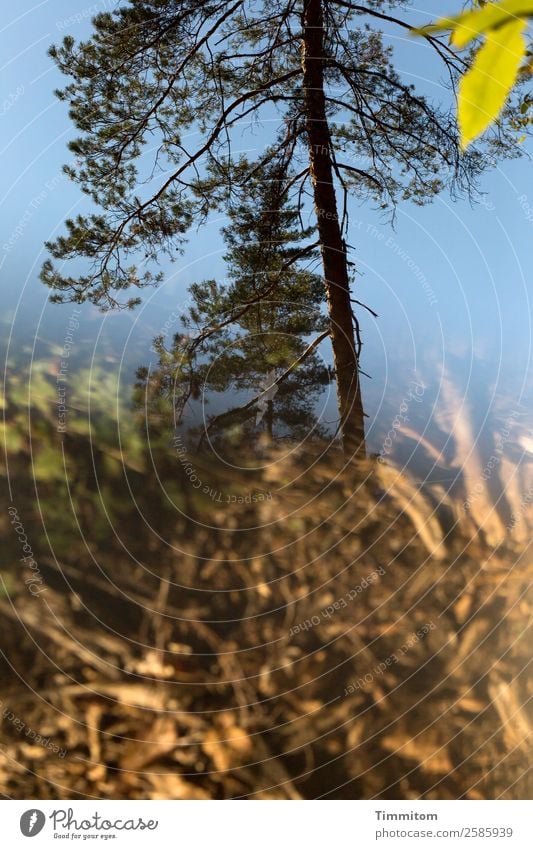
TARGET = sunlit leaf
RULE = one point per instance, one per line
(478, 22)
(484, 89)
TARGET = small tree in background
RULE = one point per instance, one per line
(251, 333)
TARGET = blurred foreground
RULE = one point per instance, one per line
(181, 629)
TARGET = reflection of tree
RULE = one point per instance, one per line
(252, 334)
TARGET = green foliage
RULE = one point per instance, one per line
(78, 481)
(96, 410)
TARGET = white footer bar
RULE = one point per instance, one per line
(268, 824)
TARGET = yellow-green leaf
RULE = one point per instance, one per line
(475, 23)
(484, 89)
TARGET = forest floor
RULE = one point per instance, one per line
(341, 636)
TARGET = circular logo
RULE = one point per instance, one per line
(32, 822)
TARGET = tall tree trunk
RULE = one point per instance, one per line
(333, 249)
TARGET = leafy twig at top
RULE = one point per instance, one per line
(487, 84)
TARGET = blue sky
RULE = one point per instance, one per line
(475, 262)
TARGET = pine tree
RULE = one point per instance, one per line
(252, 332)
(162, 93)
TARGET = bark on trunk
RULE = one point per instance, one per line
(333, 250)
